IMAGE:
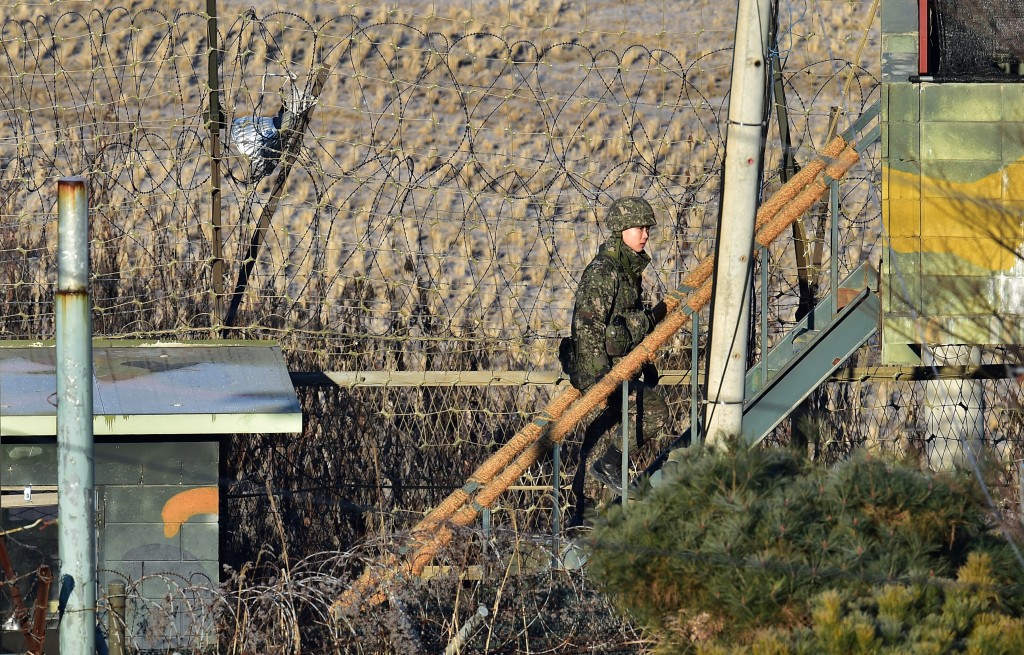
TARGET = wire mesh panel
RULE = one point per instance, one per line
(899, 412)
(979, 38)
(449, 189)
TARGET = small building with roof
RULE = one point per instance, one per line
(160, 411)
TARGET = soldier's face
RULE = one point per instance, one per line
(635, 238)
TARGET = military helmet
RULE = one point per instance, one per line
(628, 212)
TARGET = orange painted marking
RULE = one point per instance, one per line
(183, 506)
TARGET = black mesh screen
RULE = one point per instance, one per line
(978, 38)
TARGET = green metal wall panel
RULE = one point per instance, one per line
(953, 208)
(903, 104)
(904, 141)
(899, 16)
(1013, 102)
(952, 103)
(199, 540)
(901, 274)
(899, 39)
(157, 507)
(947, 139)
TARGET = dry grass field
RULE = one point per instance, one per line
(452, 181)
(449, 190)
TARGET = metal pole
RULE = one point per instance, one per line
(696, 438)
(213, 71)
(75, 504)
(556, 509)
(727, 358)
(833, 203)
(37, 637)
(625, 442)
(764, 314)
(115, 619)
(455, 645)
(1020, 490)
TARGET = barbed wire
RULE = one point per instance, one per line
(448, 193)
(451, 186)
(446, 198)
(533, 594)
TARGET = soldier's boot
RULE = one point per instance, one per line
(607, 470)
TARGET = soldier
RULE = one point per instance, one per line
(609, 320)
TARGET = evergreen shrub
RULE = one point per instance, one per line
(761, 548)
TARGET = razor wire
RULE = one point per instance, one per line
(446, 198)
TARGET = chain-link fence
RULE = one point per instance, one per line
(448, 192)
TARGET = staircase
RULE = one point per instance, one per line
(811, 352)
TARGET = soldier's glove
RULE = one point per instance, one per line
(658, 312)
(616, 337)
(649, 374)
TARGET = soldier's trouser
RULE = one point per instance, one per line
(604, 434)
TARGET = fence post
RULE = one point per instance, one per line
(764, 314)
(833, 202)
(115, 620)
(1020, 486)
(76, 543)
(695, 435)
(556, 509)
(214, 118)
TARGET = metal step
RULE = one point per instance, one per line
(802, 361)
(812, 365)
(809, 327)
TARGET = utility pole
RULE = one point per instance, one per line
(730, 314)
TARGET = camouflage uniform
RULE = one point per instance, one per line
(609, 320)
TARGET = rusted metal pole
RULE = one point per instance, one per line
(215, 119)
(75, 504)
(20, 612)
(115, 619)
(37, 636)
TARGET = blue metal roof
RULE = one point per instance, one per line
(150, 388)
